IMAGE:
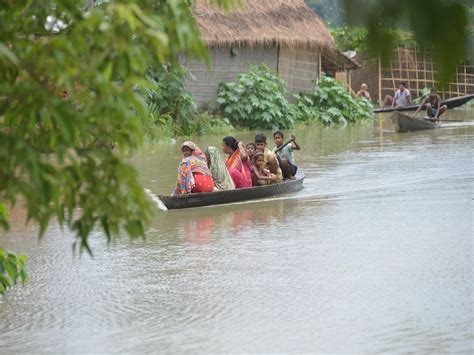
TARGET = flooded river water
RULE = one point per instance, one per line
(374, 254)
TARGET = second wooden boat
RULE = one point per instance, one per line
(450, 103)
(405, 123)
(237, 195)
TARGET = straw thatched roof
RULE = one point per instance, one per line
(262, 22)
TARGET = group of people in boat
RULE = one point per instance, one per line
(432, 102)
(402, 98)
(246, 166)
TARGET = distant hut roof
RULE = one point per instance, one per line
(267, 22)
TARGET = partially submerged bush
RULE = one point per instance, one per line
(257, 99)
(331, 103)
(166, 97)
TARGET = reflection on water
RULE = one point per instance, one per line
(374, 254)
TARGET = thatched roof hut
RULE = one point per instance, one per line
(269, 22)
(286, 35)
(263, 22)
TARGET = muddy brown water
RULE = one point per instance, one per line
(374, 254)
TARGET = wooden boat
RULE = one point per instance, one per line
(406, 123)
(220, 197)
(450, 103)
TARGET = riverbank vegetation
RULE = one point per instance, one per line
(171, 110)
(257, 99)
(331, 103)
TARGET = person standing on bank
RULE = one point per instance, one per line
(433, 106)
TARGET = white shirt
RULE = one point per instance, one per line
(401, 97)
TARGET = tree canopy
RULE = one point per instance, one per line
(68, 79)
(331, 11)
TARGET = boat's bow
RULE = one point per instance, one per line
(403, 122)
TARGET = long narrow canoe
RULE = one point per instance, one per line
(450, 103)
(406, 123)
(220, 197)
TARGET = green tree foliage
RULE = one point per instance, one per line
(331, 103)
(257, 99)
(438, 24)
(53, 151)
(331, 11)
(355, 38)
(12, 269)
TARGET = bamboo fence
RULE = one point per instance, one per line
(417, 69)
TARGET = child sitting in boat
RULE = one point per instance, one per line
(285, 154)
(260, 175)
(250, 148)
(270, 159)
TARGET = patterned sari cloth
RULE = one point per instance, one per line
(220, 174)
(239, 170)
(196, 163)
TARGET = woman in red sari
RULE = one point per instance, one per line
(193, 173)
(238, 162)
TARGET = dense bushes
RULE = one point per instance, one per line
(257, 99)
(329, 103)
(169, 104)
(172, 111)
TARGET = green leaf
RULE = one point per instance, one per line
(6, 53)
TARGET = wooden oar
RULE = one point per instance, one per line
(283, 146)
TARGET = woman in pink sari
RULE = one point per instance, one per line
(238, 162)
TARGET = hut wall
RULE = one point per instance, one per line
(226, 66)
(299, 67)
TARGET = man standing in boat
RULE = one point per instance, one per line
(402, 97)
(433, 106)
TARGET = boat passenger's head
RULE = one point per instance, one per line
(278, 138)
(188, 148)
(250, 148)
(433, 91)
(261, 141)
(402, 86)
(259, 159)
(229, 145)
